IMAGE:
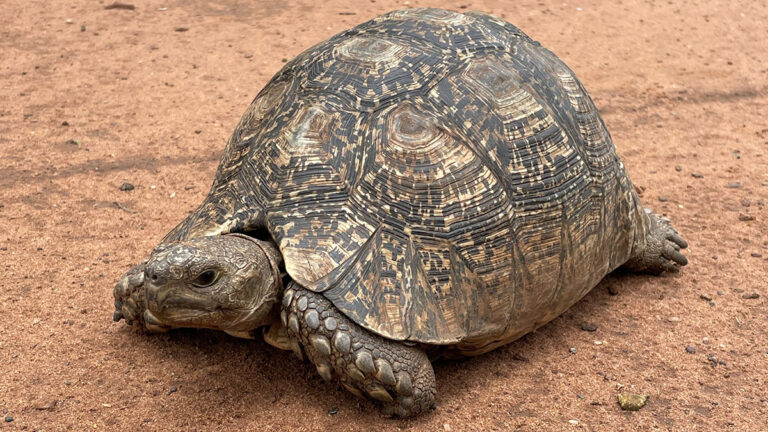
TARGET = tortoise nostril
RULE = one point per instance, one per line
(151, 274)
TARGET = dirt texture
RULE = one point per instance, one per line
(92, 98)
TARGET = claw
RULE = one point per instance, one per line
(675, 237)
(675, 255)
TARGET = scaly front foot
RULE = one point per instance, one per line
(398, 376)
(130, 302)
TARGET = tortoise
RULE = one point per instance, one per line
(427, 184)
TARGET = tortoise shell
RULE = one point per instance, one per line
(440, 177)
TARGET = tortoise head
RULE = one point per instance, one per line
(227, 282)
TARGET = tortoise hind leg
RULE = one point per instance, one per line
(398, 376)
(661, 250)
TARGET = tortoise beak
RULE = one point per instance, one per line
(167, 301)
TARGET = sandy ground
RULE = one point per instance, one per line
(91, 98)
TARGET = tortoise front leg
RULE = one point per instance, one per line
(130, 301)
(398, 376)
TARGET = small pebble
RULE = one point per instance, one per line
(712, 303)
(612, 290)
(573, 422)
(678, 168)
(690, 349)
(8, 419)
(333, 411)
(733, 185)
(118, 5)
(750, 296)
(720, 293)
(172, 390)
(181, 29)
(588, 327)
(746, 202)
(745, 217)
(663, 199)
(756, 255)
(126, 187)
(765, 183)
(705, 297)
(697, 175)
(632, 401)
(573, 350)
(673, 319)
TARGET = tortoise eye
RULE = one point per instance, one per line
(206, 279)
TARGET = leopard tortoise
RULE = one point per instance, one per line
(426, 184)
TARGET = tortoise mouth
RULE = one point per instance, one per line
(178, 307)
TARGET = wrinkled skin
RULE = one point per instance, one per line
(228, 283)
